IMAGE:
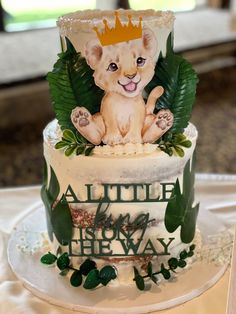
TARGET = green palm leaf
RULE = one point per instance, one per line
(71, 84)
(180, 210)
(179, 81)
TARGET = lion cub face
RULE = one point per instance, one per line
(124, 68)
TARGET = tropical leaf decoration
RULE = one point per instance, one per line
(179, 81)
(71, 84)
(180, 210)
(59, 220)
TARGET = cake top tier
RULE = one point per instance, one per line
(86, 20)
(118, 81)
(80, 26)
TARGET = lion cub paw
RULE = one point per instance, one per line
(83, 122)
(164, 120)
(161, 124)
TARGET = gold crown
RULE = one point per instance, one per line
(119, 33)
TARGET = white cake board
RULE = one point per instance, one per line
(46, 283)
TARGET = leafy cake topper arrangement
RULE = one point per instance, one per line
(89, 94)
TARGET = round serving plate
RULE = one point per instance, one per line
(46, 283)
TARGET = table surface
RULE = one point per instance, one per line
(216, 193)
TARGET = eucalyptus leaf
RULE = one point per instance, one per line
(63, 261)
(183, 254)
(76, 278)
(182, 263)
(92, 280)
(139, 282)
(87, 266)
(165, 272)
(107, 273)
(48, 259)
(173, 263)
(138, 279)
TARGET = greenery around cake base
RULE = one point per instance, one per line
(88, 274)
(165, 271)
(72, 84)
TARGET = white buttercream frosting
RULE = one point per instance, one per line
(152, 168)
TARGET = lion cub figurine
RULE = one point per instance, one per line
(123, 70)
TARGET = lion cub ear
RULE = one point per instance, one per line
(93, 52)
(149, 41)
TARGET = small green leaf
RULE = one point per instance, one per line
(149, 269)
(92, 280)
(186, 143)
(61, 144)
(107, 273)
(87, 266)
(88, 150)
(182, 263)
(80, 150)
(63, 261)
(76, 278)
(173, 263)
(190, 253)
(178, 137)
(69, 136)
(165, 272)
(192, 247)
(179, 151)
(70, 150)
(138, 279)
(139, 282)
(48, 259)
(183, 254)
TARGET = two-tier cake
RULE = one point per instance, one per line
(119, 158)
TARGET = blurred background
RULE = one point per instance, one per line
(205, 34)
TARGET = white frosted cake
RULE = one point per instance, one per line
(119, 158)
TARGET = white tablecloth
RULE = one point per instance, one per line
(216, 193)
